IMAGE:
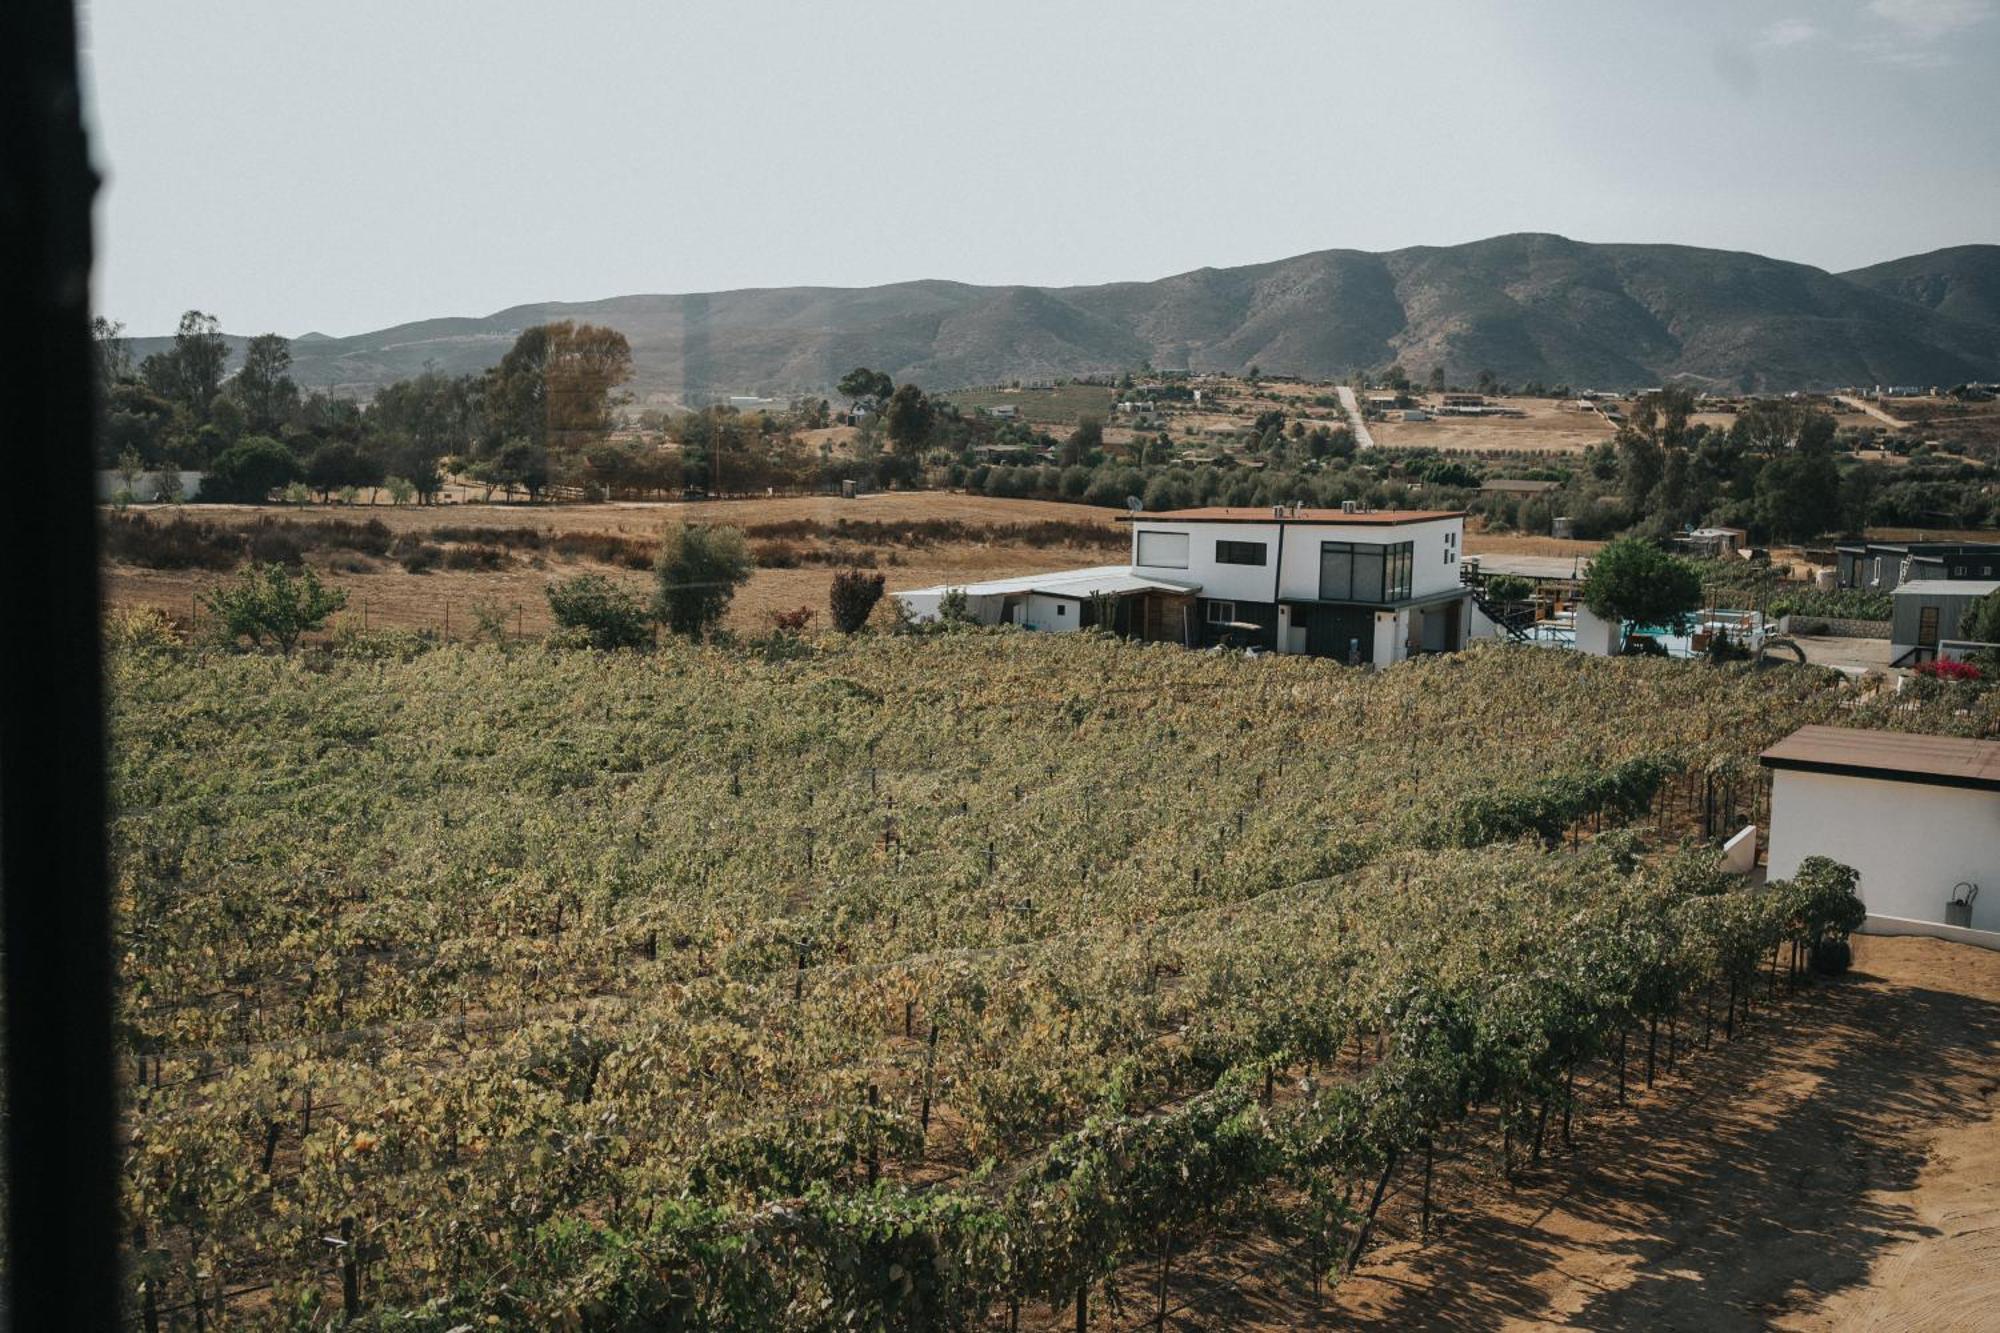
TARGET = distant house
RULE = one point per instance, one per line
(1883, 566)
(1517, 486)
(1004, 411)
(1713, 543)
(1359, 586)
(1463, 400)
(1928, 611)
(1918, 816)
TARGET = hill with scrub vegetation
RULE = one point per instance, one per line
(1527, 308)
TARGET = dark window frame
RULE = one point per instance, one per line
(1230, 551)
(1395, 564)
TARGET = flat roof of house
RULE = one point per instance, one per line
(1892, 756)
(1946, 588)
(1073, 583)
(1521, 484)
(1255, 514)
(1533, 566)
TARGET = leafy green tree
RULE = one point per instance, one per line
(190, 372)
(337, 464)
(1436, 380)
(401, 490)
(264, 384)
(699, 569)
(1085, 442)
(1798, 492)
(1633, 581)
(852, 598)
(861, 385)
(909, 420)
(610, 616)
(555, 386)
(270, 602)
(249, 470)
(1981, 622)
(520, 462)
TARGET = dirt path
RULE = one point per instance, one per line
(1863, 405)
(1838, 1168)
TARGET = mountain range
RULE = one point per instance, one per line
(1526, 306)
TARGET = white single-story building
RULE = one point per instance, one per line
(1058, 603)
(1360, 586)
(1918, 816)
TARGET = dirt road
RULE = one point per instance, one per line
(1839, 1168)
(1863, 405)
(1349, 405)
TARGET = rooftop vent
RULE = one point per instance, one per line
(1350, 506)
(1277, 511)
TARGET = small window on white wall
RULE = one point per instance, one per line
(1163, 550)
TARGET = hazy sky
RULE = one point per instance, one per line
(294, 166)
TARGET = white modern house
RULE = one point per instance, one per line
(1918, 816)
(1357, 585)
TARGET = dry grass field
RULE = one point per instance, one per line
(384, 595)
(387, 596)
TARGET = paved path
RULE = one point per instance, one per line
(1352, 406)
(1863, 405)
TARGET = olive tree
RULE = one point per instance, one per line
(699, 569)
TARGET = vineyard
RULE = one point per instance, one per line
(918, 982)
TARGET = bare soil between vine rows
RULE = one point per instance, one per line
(1836, 1166)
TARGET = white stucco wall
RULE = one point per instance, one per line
(1910, 842)
(1053, 615)
(1600, 638)
(1435, 547)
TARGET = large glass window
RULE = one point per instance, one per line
(1365, 572)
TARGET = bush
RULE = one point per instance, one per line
(276, 546)
(178, 543)
(271, 602)
(698, 572)
(249, 470)
(1830, 958)
(475, 557)
(775, 555)
(1509, 588)
(852, 599)
(1946, 670)
(606, 615)
(145, 629)
(417, 555)
(792, 622)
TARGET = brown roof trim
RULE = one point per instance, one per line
(1307, 518)
(1889, 756)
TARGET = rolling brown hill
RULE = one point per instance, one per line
(1527, 307)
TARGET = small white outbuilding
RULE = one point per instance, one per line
(1918, 816)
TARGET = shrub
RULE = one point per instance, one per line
(775, 555)
(270, 602)
(607, 615)
(145, 629)
(698, 571)
(475, 557)
(792, 622)
(852, 599)
(178, 543)
(416, 555)
(1946, 670)
(1509, 588)
(249, 470)
(276, 546)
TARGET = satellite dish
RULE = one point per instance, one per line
(1134, 503)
